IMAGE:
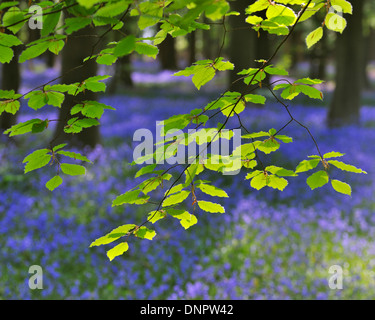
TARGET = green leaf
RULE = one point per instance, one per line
(74, 155)
(152, 12)
(147, 169)
(154, 216)
(186, 219)
(117, 250)
(145, 233)
(216, 10)
(58, 147)
(113, 235)
(317, 180)
(39, 127)
(33, 51)
(255, 98)
(125, 46)
(341, 187)
(276, 182)
(50, 21)
(281, 15)
(106, 59)
(154, 182)
(346, 167)
(269, 145)
(227, 111)
(307, 165)
(38, 99)
(223, 65)
(342, 6)
(276, 71)
(255, 20)
(56, 46)
(333, 154)
(7, 4)
(6, 54)
(9, 40)
(90, 109)
(54, 183)
(203, 76)
(308, 81)
(191, 172)
(259, 5)
(212, 190)
(76, 125)
(256, 135)
(12, 16)
(22, 128)
(314, 37)
(10, 106)
(311, 92)
(72, 169)
(258, 179)
(284, 138)
(176, 198)
(146, 49)
(203, 71)
(281, 172)
(211, 207)
(75, 24)
(335, 22)
(37, 159)
(94, 85)
(130, 197)
(87, 3)
(312, 10)
(113, 9)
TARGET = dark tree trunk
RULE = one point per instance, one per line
(366, 60)
(242, 45)
(76, 49)
(346, 101)
(318, 59)
(122, 76)
(10, 80)
(263, 47)
(123, 68)
(210, 47)
(192, 47)
(50, 59)
(167, 54)
(296, 48)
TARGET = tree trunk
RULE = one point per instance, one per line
(192, 47)
(77, 48)
(346, 101)
(366, 60)
(10, 80)
(123, 68)
(242, 45)
(122, 76)
(263, 50)
(318, 59)
(210, 41)
(167, 54)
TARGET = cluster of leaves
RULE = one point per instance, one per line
(176, 18)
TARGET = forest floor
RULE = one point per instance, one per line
(268, 245)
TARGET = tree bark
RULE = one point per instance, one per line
(167, 54)
(77, 48)
(345, 106)
(242, 44)
(192, 47)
